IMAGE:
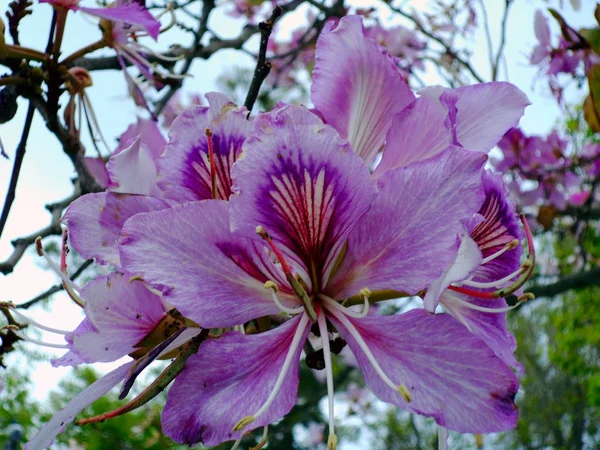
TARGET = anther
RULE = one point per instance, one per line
(243, 423)
(211, 160)
(135, 278)
(526, 296)
(402, 389)
(332, 441)
(270, 284)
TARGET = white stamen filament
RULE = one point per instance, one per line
(457, 299)
(512, 244)
(328, 369)
(346, 310)
(23, 318)
(333, 307)
(37, 342)
(442, 438)
(272, 286)
(236, 444)
(492, 284)
(281, 377)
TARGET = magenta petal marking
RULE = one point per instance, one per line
(184, 168)
(451, 375)
(303, 184)
(361, 100)
(231, 378)
(45, 437)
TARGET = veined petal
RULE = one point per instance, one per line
(133, 171)
(303, 184)
(230, 378)
(95, 222)
(97, 168)
(489, 327)
(451, 375)
(150, 136)
(360, 100)
(133, 14)
(45, 437)
(499, 227)
(211, 275)
(408, 238)
(483, 113)
(184, 169)
(417, 133)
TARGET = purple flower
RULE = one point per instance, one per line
(327, 233)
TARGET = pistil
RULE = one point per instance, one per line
(295, 284)
(213, 167)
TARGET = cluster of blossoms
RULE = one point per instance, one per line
(241, 238)
(546, 171)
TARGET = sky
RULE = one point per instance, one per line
(46, 172)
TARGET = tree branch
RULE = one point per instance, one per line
(14, 177)
(575, 281)
(263, 67)
(22, 244)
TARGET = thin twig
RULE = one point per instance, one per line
(488, 35)
(502, 41)
(22, 244)
(263, 67)
(440, 41)
(56, 288)
(567, 283)
(14, 178)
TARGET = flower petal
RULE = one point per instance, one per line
(231, 378)
(44, 438)
(303, 184)
(133, 14)
(211, 275)
(361, 99)
(408, 238)
(451, 375)
(417, 133)
(133, 171)
(95, 221)
(489, 327)
(484, 112)
(185, 168)
(150, 136)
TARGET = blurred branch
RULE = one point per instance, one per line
(575, 281)
(496, 63)
(56, 288)
(449, 51)
(14, 177)
(263, 67)
(22, 244)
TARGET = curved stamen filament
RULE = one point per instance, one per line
(280, 378)
(24, 319)
(495, 283)
(442, 438)
(333, 307)
(512, 244)
(274, 289)
(70, 287)
(329, 372)
(347, 310)
(504, 309)
(38, 342)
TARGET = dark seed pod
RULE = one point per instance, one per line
(8, 103)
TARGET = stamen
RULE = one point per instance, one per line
(211, 160)
(512, 244)
(263, 441)
(274, 289)
(329, 373)
(294, 283)
(496, 283)
(333, 307)
(347, 310)
(442, 438)
(37, 342)
(63, 268)
(332, 442)
(525, 273)
(281, 377)
(24, 319)
(68, 284)
(522, 299)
